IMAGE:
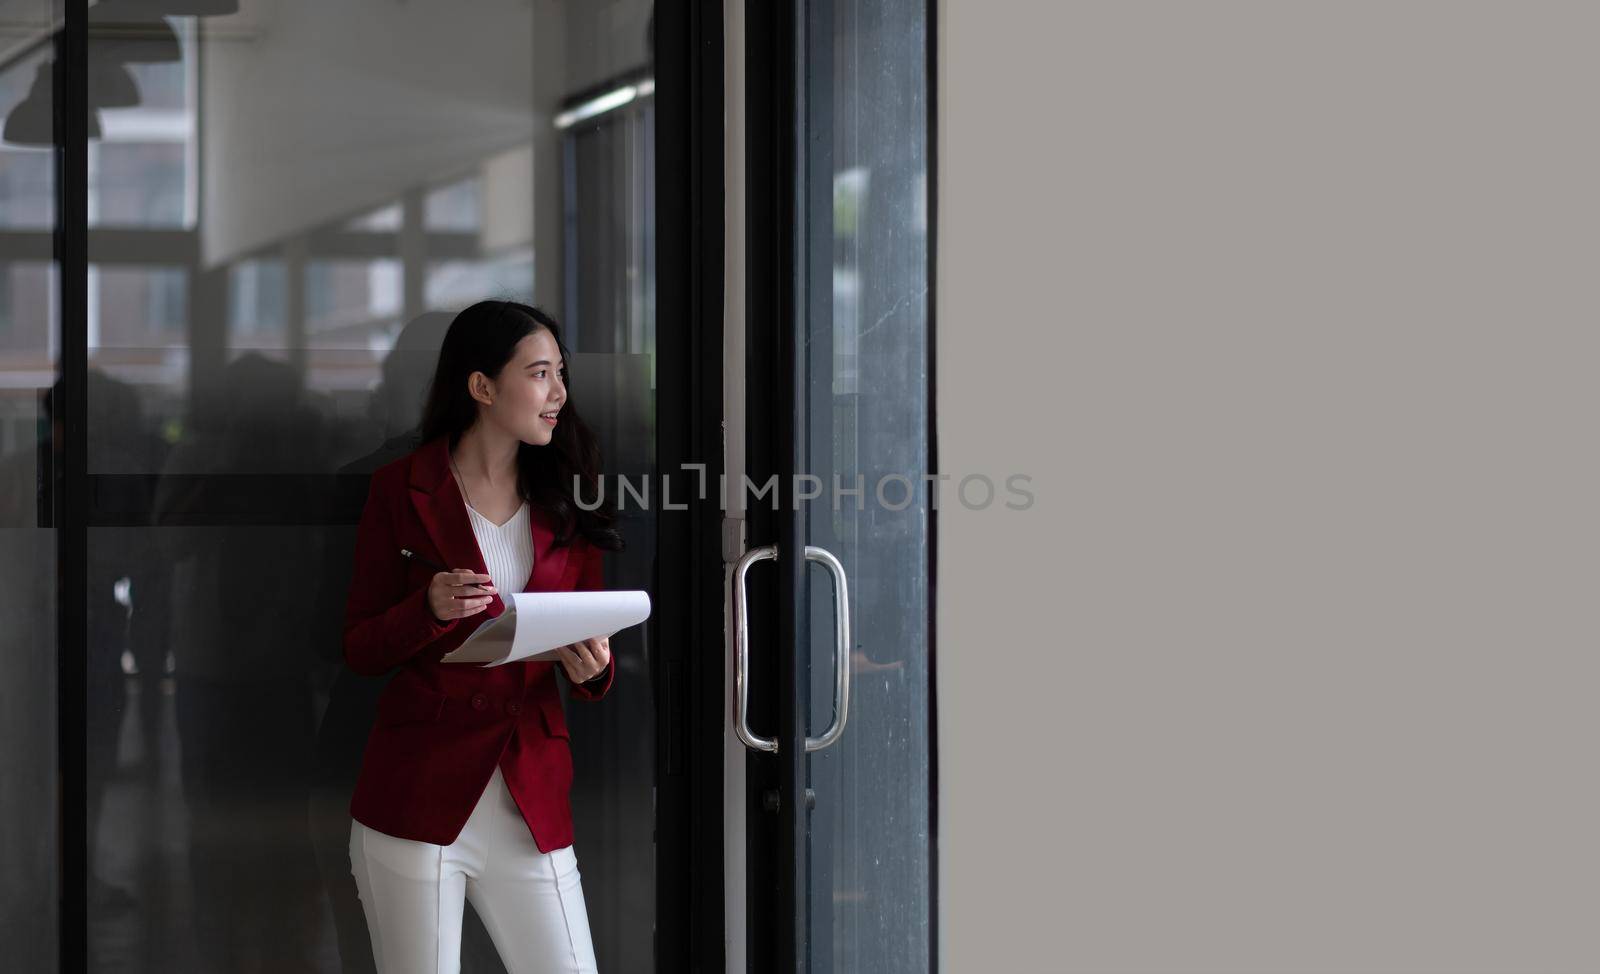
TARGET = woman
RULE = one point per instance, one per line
(463, 789)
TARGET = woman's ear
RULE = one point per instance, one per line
(480, 388)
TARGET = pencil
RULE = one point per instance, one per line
(425, 560)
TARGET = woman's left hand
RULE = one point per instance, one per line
(585, 660)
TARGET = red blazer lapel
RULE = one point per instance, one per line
(549, 564)
(443, 512)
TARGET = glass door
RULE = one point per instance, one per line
(266, 216)
(833, 686)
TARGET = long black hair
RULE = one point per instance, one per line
(481, 339)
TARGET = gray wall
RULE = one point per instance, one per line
(1288, 310)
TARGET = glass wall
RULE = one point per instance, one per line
(29, 368)
(867, 429)
(288, 201)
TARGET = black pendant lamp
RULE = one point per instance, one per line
(32, 121)
(111, 85)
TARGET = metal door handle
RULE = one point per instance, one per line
(741, 642)
(741, 649)
(841, 648)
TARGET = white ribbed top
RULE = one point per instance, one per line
(507, 549)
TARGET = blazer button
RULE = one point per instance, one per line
(513, 707)
(480, 702)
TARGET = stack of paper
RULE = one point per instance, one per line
(534, 624)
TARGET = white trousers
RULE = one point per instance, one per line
(530, 902)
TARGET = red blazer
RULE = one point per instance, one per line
(442, 727)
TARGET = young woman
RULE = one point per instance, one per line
(463, 790)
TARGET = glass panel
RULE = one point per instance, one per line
(138, 305)
(280, 241)
(869, 891)
(138, 340)
(141, 167)
(29, 326)
(27, 315)
(346, 300)
(453, 207)
(27, 175)
(458, 283)
(138, 183)
(383, 219)
(613, 296)
(258, 297)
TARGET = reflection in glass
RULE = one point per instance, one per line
(382, 219)
(280, 240)
(29, 808)
(27, 176)
(452, 283)
(27, 307)
(870, 869)
(142, 164)
(138, 328)
(258, 294)
(454, 207)
(346, 300)
(133, 306)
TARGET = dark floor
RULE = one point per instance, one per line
(142, 905)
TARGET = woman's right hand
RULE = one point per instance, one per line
(457, 594)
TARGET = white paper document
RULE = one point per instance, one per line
(534, 624)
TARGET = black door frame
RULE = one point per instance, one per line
(781, 213)
(66, 485)
(688, 605)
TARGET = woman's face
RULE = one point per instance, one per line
(529, 387)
